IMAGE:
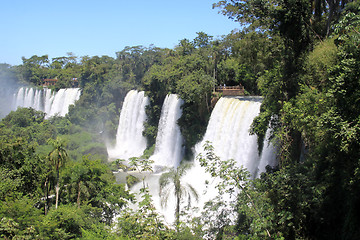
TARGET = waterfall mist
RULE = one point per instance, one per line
(6, 98)
(8, 86)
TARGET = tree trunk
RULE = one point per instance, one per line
(177, 212)
(46, 195)
(57, 188)
(177, 196)
(333, 8)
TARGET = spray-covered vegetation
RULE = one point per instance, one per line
(302, 56)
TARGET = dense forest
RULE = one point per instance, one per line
(303, 57)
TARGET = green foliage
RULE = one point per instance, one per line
(141, 164)
(82, 143)
(25, 178)
(99, 232)
(20, 169)
(202, 40)
(28, 124)
(131, 180)
(19, 218)
(280, 205)
(9, 229)
(66, 222)
(250, 204)
(144, 223)
(34, 69)
(105, 82)
(320, 60)
(90, 182)
(57, 158)
(323, 114)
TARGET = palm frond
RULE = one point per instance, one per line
(183, 168)
(165, 179)
(193, 192)
(165, 197)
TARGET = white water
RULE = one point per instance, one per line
(52, 103)
(268, 155)
(129, 139)
(169, 141)
(228, 132)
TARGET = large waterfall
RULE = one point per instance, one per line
(45, 100)
(228, 132)
(169, 141)
(129, 139)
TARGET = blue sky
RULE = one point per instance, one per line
(101, 27)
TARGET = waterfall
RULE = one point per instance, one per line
(228, 131)
(168, 148)
(45, 100)
(129, 139)
(268, 155)
(62, 99)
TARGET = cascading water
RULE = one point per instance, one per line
(62, 100)
(129, 139)
(45, 100)
(228, 132)
(168, 148)
(268, 155)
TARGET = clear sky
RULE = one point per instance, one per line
(101, 27)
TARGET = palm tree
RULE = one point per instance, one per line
(58, 156)
(48, 180)
(172, 181)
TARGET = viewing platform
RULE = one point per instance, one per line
(230, 90)
(222, 91)
(51, 82)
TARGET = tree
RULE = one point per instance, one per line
(90, 182)
(143, 223)
(35, 69)
(20, 169)
(58, 157)
(172, 181)
(234, 180)
(66, 222)
(202, 40)
(185, 47)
